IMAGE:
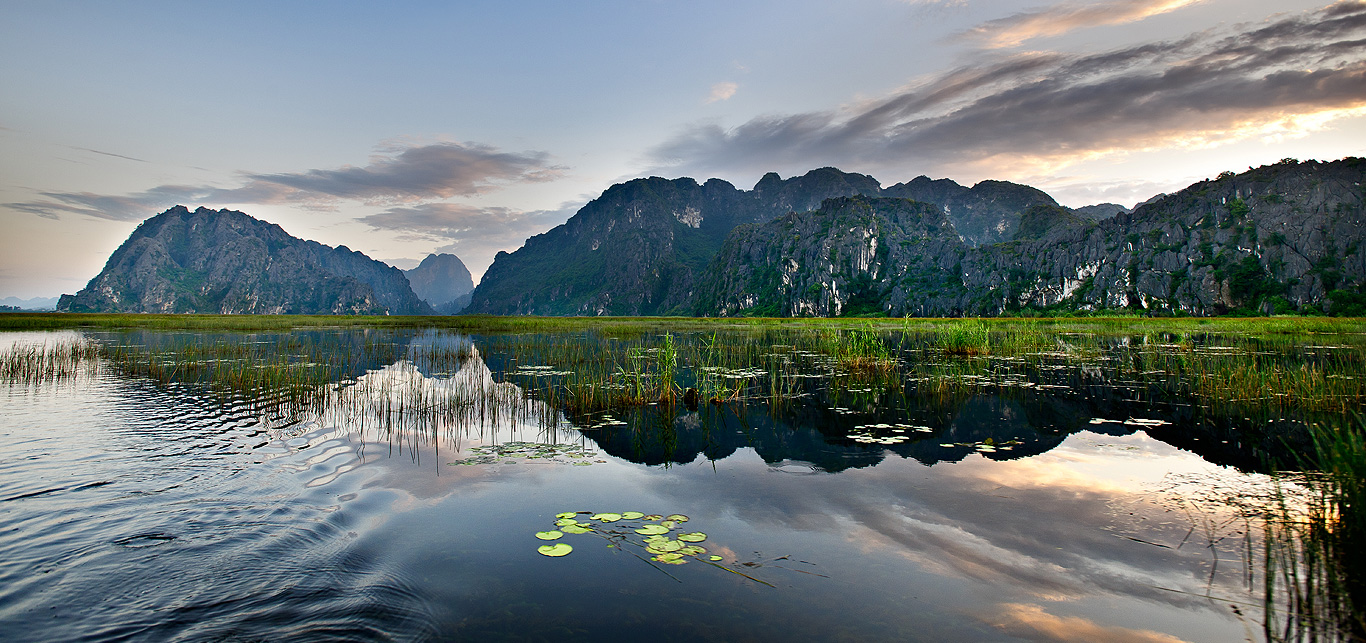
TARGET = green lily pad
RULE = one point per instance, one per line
(668, 558)
(556, 550)
(652, 530)
(694, 537)
(575, 529)
(653, 517)
(609, 517)
(691, 550)
(631, 515)
(668, 524)
(677, 518)
(566, 521)
(549, 535)
(715, 558)
(567, 514)
(664, 546)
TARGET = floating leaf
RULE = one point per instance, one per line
(631, 515)
(665, 546)
(556, 550)
(549, 535)
(652, 530)
(694, 537)
(567, 514)
(678, 518)
(715, 558)
(609, 517)
(566, 521)
(653, 517)
(668, 524)
(575, 529)
(691, 550)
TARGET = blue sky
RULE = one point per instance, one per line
(401, 129)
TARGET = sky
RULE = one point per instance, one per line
(406, 128)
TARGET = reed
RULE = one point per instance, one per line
(1315, 544)
(966, 337)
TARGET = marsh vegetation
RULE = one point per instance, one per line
(1274, 398)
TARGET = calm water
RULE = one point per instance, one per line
(137, 510)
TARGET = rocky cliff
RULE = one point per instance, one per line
(1280, 238)
(640, 247)
(637, 249)
(443, 281)
(223, 261)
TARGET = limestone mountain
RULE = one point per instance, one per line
(637, 248)
(223, 261)
(985, 213)
(443, 281)
(1280, 238)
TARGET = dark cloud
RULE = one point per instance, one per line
(437, 171)
(395, 175)
(1195, 90)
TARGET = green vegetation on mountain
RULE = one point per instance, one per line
(223, 261)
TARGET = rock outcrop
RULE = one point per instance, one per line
(443, 281)
(223, 261)
(1280, 238)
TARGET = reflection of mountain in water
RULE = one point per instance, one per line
(1018, 422)
(433, 382)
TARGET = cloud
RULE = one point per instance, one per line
(1032, 623)
(722, 91)
(441, 170)
(1044, 111)
(473, 233)
(1061, 18)
(394, 175)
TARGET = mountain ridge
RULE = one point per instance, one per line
(227, 262)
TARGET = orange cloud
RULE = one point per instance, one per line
(1032, 623)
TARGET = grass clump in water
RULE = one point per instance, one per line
(966, 337)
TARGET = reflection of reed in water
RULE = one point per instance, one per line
(1316, 544)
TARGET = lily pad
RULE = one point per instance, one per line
(608, 517)
(566, 514)
(575, 529)
(549, 535)
(677, 518)
(566, 521)
(653, 517)
(556, 550)
(715, 558)
(652, 530)
(664, 546)
(631, 515)
(694, 537)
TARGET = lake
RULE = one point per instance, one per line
(731, 485)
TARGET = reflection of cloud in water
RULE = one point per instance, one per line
(1033, 527)
(1032, 623)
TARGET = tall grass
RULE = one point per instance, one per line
(967, 337)
(1316, 545)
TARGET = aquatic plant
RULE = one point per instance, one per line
(966, 337)
(33, 363)
(659, 537)
(1315, 544)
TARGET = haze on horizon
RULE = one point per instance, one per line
(405, 129)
